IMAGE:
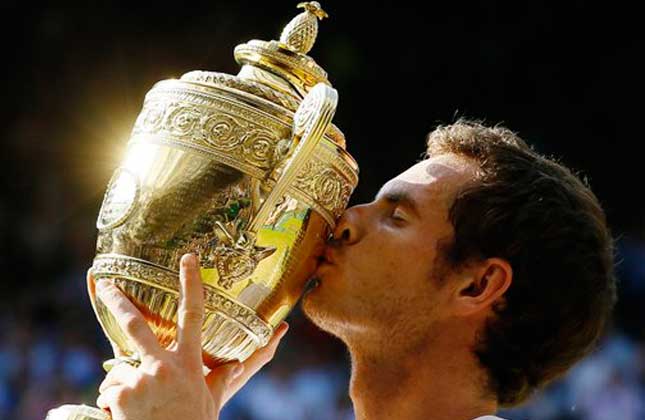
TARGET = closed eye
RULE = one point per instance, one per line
(398, 199)
(398, 215)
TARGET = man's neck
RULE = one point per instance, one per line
(439, 381)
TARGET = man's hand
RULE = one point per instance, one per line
(170, 383)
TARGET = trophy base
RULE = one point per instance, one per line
(77, 412)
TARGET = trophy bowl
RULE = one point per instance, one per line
(245, 171)
(222, 166)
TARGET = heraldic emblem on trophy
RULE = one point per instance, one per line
(246, 171)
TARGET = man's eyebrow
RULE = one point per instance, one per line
(398, 197)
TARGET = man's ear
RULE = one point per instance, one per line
(481, 284)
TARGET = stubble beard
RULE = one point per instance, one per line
(322, 313)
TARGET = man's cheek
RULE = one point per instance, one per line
(388, 261)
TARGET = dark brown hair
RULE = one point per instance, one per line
(541, 218)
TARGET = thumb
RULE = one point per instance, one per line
(219, 379)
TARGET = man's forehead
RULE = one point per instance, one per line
(438, 169)
(431, 179)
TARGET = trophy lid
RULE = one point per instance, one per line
(287, 58)
(280, 72)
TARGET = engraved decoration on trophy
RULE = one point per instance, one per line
(245, 170)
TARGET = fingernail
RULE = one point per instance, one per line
(284, 327)
(101, 285)
(237, 370)
(189, 260)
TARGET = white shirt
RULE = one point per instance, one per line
(489, 418)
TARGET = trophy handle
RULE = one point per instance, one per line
(310, 123)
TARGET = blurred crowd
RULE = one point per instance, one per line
(51, 346)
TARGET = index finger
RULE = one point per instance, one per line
(129, 318)
(190, 313)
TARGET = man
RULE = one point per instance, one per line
(475, 277)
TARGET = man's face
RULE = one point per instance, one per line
(379, 271)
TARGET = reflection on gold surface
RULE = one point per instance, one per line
(221, 166)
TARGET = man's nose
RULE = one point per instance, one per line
(348, 230)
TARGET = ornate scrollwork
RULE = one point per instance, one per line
(151, 117)
(326, 186)
(118, 265)
(258, 147)
(239, 138)
(272, 51)
(222, 131)
(182, 120)
(223, 79)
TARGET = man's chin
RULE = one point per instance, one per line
(316, 314)
(321, 308)
(311, 298)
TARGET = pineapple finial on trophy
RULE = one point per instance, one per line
(300, 34)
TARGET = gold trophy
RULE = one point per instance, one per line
(246, 171)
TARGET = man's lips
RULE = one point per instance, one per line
(326, 261)
(328, 257)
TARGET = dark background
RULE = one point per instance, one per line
(567, 76)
